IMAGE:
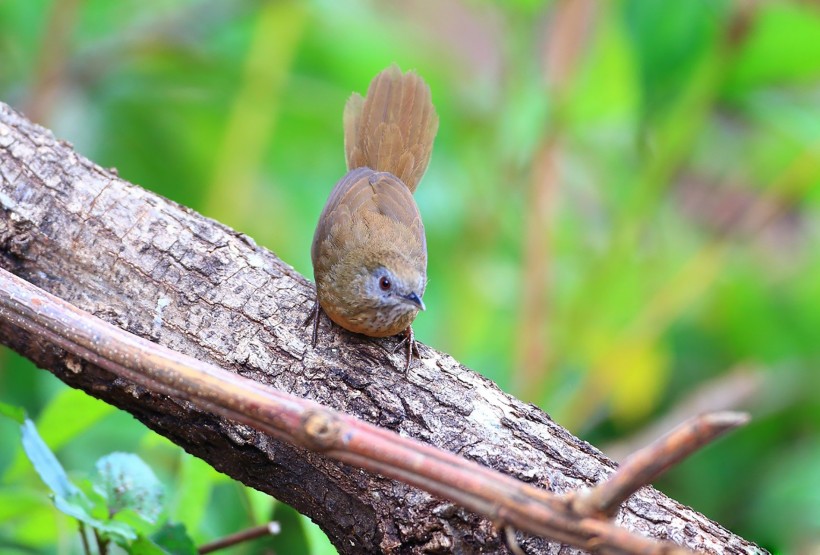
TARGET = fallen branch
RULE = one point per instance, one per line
(648, 464)
(162, 272)
(582, 521)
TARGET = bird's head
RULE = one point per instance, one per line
(388, 289)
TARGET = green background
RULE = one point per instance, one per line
(621, 211)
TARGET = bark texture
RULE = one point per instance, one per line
(161, 271)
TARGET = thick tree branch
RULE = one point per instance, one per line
(160, 271)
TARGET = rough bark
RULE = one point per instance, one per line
(161, 271)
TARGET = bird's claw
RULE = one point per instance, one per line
(313, 315)
(412, 347)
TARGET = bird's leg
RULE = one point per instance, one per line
(314, 315)
(412, 346)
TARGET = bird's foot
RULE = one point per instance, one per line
(314, 315)
(412, 347)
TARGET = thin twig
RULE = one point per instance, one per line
(646, 465)
(84, 538)
(270, 529)
(512, 543)
(499, 497)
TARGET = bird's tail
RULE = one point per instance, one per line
(393, 127)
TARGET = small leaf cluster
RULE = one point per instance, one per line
(121, 503)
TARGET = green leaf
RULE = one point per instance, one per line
(292, 538)
(45, 463)
(174, 539)
(74, 509)
(98, 506)
(119, 532)
(67, 415)
(126, 482)
(67, 497)
(18, 414)
(144, 546)
(135, 521)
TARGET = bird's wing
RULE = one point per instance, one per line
(364, 190)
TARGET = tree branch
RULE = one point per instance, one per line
(579, 520)
(644, 466)
(162, 272)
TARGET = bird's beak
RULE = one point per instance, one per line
(416, 300)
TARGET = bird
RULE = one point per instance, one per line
(369, 251)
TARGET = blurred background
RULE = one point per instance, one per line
(621, 211)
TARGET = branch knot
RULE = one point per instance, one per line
(320, 430)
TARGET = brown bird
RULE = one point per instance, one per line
(369, 251)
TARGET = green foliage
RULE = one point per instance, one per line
(16, 414)
(121, 504)
(296, 540)
(127, 483)
(679, 239)
(170, 538)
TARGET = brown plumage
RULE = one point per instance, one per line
(369, 251)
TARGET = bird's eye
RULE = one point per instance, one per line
(385, 284)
